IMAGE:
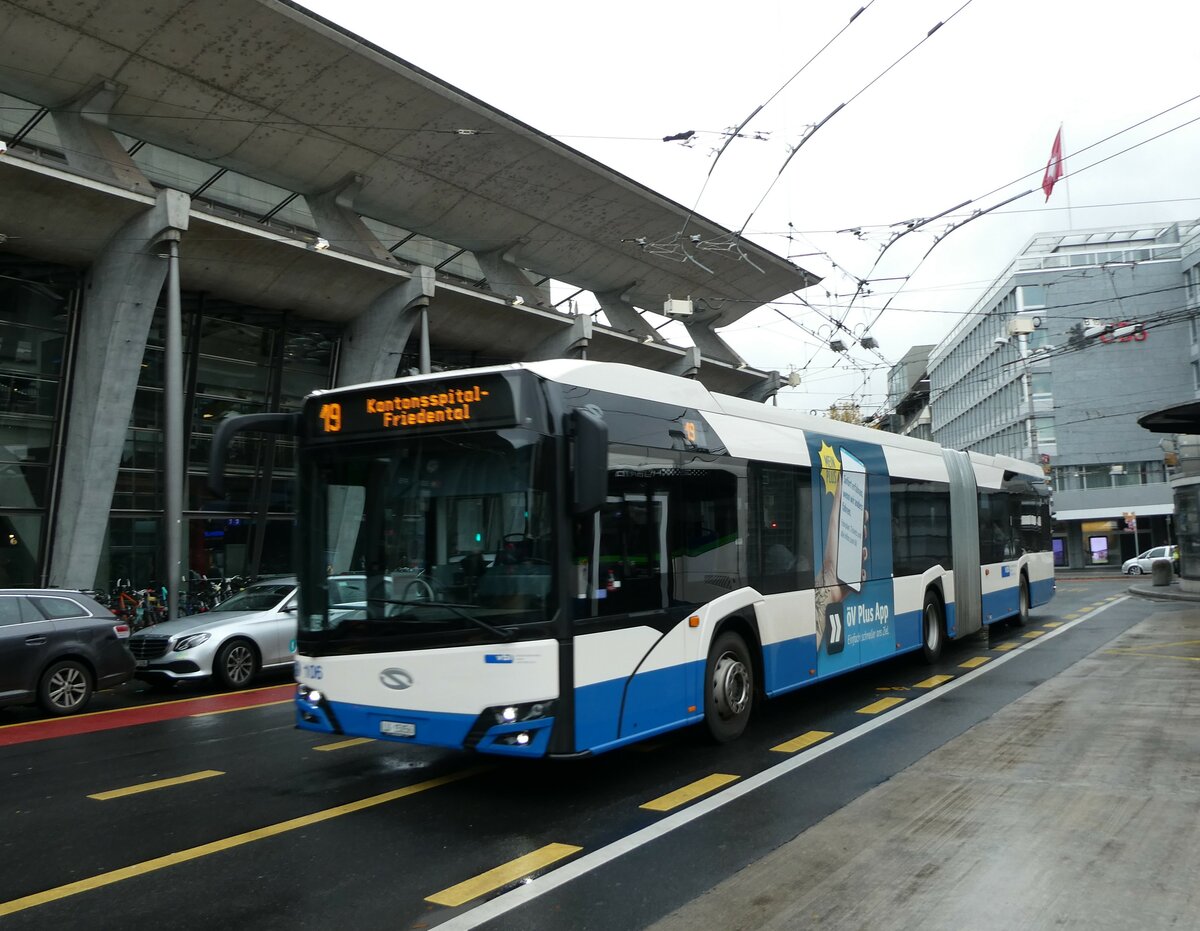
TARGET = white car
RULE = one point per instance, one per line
(1142, 562)
(252, 631)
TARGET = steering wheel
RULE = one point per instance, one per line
(517, 537)
(424, 590)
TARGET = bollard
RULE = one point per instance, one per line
(1160, 572)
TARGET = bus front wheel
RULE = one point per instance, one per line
(1022, 617)
(729, 688)
(933, 630)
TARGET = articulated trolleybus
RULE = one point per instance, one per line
(560, 558)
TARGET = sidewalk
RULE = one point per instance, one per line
(1052, 813)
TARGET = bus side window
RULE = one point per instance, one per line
(780, 558)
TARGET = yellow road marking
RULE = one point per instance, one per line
(502, 875)
(156, 784)
(266, 704)
(194, 853)
(1172, 643)
(1187, 659)
(352, 742)
(1032, 634)
(974, 662)
(1073, 617)
(882, 705)
(157, 704)
(804, 740)
(689, 792)
(932, 682)
(1004, 647)
(1053, 624)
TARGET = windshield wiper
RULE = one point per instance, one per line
(503, 634)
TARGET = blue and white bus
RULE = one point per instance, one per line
(564, 557)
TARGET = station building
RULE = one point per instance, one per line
(1083, 333)
(322, 213)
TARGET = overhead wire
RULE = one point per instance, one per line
(736, 133)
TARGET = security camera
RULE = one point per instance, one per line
(1001, 341)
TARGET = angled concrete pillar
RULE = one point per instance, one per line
(337, 221)
(373, 343)
(567, 343)
(711, 344)
(624, 317)
(90, 146)
(688, 366)
(505, 276)
(764, 390)
(120, 294)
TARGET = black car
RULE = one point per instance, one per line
(57, 647)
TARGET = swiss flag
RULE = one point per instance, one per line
(1054, 169)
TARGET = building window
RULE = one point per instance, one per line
(1032, 295)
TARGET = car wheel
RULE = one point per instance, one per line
(236, 664)
(1022, 617)
(728, 688)
(65, 687)
(933, 629)
(1135, 569)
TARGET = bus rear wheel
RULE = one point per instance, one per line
(933, 628)
(728, 687)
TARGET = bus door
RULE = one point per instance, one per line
(630, 675)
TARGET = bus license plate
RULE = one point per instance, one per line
(398, 728)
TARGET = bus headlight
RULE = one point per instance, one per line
(530, 711)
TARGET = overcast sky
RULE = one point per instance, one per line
(970, 113)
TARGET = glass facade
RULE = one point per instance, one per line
(236, 360)
(35, 301)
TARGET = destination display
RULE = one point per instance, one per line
(407, 409)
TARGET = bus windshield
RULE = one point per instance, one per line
(452, 532)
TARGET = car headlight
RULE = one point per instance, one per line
(191, 640)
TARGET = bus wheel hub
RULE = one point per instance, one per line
(731, 686)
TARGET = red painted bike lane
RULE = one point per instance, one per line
(92, 722)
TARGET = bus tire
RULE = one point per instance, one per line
(728, 688)
(1022, 617)
(933, 628)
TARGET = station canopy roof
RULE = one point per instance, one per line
(268, 89)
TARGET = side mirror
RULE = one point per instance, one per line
(589, 463)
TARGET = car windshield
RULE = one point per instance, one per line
(256, 598)
(452, 535)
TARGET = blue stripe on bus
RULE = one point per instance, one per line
(438, 729)
(1041, 591)
(787, 664)
(1001, 604)
(618, 710)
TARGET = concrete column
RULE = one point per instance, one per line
(623, 316)
(374, 342)
(120, 294)
(505, 276)
(765, 389)
(571, 339)
(688, 366)
(89, 145)
(709, 343)
(342, 226)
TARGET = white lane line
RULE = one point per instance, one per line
(548, 882)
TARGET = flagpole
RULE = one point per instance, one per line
(1067, 185)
